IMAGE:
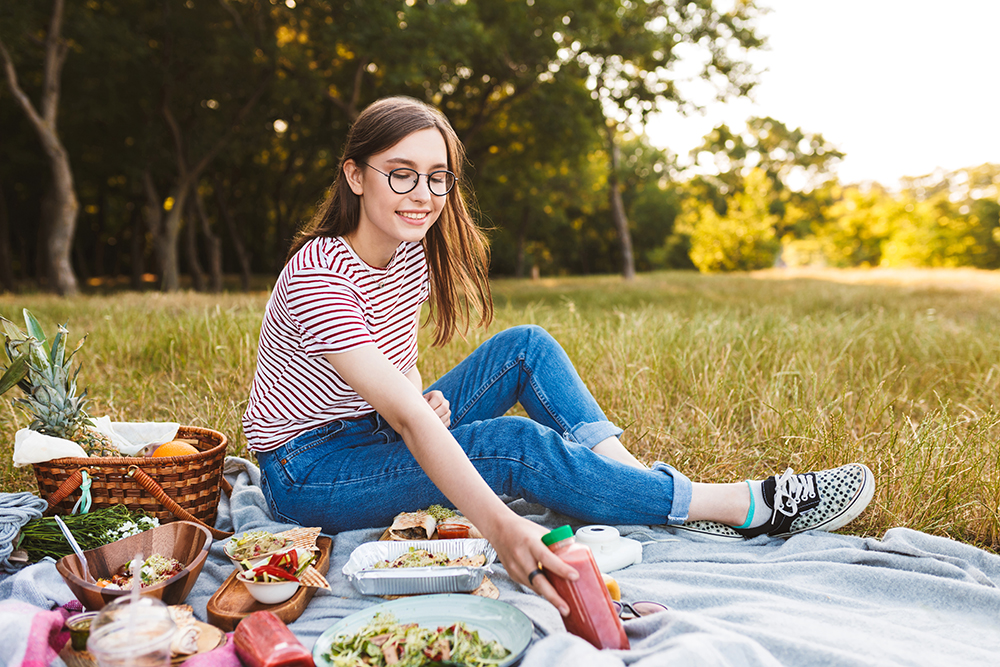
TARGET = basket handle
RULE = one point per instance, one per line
(69, 485)
(155, 490)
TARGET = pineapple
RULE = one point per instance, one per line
(43, 373)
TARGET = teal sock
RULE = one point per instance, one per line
(758, 512)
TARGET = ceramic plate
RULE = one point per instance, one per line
(492, 618)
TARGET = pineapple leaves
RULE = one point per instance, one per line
(17, 371)
(11, 331)
(58, 347)
(35, 330)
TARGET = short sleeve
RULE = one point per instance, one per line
(329, 311)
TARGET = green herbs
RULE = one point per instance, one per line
(415, 558)
(441, 513)
(41, 537)
(386, 642)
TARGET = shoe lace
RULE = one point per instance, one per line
(791, 489)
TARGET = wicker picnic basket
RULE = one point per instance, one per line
(168, 487)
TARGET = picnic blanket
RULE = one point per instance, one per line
(813, 599)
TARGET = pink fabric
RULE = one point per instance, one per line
(48, 634)
(224, 656)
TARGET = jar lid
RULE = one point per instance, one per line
(558, 535)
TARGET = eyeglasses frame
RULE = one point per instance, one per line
(416, 182)
(623, 606)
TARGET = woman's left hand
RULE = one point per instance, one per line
(440, 405)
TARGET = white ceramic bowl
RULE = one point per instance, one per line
(271, 593)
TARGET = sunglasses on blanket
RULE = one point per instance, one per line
(628, 611)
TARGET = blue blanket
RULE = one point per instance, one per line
(814, 599)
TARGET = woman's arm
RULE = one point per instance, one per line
(397, 399)
(437, 401)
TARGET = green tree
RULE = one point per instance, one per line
(652, 204)
(859, 223)
(60, 207)
(741, 240)
(798, 163)
(631, 49)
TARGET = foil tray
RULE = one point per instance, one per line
(360, 571)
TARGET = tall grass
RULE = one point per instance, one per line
(725, 377)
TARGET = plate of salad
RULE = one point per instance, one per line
(450, 629)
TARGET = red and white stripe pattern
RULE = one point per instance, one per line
(328, 300)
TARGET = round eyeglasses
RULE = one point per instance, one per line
(403, 180)
(628, 611)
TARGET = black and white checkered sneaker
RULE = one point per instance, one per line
(824, 500)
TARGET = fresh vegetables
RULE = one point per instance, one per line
(440, 513)
(285, 566)
(254, 543)
(422, 558)
(42, 537)
(384, 641)
(156, 569)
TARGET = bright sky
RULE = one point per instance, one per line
(902, 86)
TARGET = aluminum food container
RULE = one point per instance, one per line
(416, 580)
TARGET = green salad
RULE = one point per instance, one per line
(384, 641)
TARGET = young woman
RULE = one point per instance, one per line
(347, 436)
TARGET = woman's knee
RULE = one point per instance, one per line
(527, 339)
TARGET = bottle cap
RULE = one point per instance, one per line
(558, 535)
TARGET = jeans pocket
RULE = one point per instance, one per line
(294, 460)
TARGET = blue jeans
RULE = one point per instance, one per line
(358, 473)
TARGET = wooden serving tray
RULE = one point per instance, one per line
(232, 603)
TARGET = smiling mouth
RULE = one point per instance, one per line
(416, 217)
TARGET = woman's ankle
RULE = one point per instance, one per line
(725, 503)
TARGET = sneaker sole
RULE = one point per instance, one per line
(711, 530)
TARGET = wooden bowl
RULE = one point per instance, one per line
(183, 540)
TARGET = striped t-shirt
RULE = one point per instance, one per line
(328, 300)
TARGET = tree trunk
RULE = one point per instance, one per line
(242, 256)
(65, 207)
(191, 254)
(137, 248)
(214, 246)
(170, 278)
(6, 260)
(187, 178)
(154, 223)
(618, 208)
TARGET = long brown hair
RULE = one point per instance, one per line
(456, 248)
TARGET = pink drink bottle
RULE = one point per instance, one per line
(591, 614)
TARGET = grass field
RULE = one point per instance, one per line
(724, 377)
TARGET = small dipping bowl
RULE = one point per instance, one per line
(452, 531)
(269, 593)
(79, 629)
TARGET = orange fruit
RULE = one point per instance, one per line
(175, 448)
(613, 589)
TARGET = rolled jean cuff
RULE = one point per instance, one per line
(681, 505)
(589, 434)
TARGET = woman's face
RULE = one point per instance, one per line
(388, 218)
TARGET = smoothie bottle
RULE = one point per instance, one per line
(591, 614)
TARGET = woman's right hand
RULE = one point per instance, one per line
(519, 545)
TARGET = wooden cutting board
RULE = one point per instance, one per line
(232, 603)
